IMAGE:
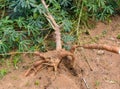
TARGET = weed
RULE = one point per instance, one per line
(15, 61)
(97, 83)
(3, 72)
(118, 36)
(37, 82)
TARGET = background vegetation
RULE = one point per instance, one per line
(23, 26)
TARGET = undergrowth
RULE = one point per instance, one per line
(3, 72)
(23, 26)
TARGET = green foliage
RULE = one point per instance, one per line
(15, 61)
(97, 83)
(118, 36)
(68, 40)
(99, 9)
(3, 72)
(36, 83)
(24, 27)
(67, 25)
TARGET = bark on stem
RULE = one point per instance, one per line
(54, 25)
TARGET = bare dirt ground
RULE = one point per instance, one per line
(94, 69)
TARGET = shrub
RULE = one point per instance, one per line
(23, 26)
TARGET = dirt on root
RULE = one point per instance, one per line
(93, 69)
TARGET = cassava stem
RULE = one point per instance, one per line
(54, 25)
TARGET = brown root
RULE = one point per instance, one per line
(50, 58)
(113, 49)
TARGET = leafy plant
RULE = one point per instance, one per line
(97, 83)
(67, 25)
(3, 47)
(23, 24)
(68, 40)
(15, 61)
(118, 36)
(37, 83)
(3, 72)
(23, 45)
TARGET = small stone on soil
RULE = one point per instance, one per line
(100, 52)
